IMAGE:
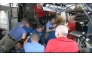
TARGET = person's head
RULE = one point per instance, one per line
(24, 21)
(39, 28)
(35, 37)
(52, 18)
(27, 16)
(29, 24)
(60, 20)
(18, 45)
(72, 19)
(61, 30)
(39, 6)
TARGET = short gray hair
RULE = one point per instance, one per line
(62, 30)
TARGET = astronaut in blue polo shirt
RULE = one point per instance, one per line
(50, 28)
(38, 31)
(17, 33)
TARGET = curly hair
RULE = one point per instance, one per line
(60, 20)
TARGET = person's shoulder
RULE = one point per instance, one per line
(73, 42)
(27, 43)
(24, 26)
(23, 30)
(48, 23)
(74, 45)
(42, 46)
(19, 23)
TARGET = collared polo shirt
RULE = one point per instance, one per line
(33, 47)
(61, 44)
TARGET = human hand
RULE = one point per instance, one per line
(54, 25)
(66, 24)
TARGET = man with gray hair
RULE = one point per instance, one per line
(61, 43)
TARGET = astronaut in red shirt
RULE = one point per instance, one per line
(71, 25)
(40, 13)
(61, 43)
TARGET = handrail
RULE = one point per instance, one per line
(86, 13)
(90, 9)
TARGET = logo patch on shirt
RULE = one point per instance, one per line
(50, 25)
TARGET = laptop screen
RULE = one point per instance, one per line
(80, 28)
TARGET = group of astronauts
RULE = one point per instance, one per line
(50, 35)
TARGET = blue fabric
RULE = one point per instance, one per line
(33, 47)
(48, 25)
(39, 33)
(17, 31)
(17, 51)
(28, 30)
(51, 34)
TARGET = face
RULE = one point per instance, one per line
(27, 25)
(24, 22)
(53, 20)
(39, 5)
(71, 19)
(18, 45)
(39, 29)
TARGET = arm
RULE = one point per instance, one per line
(24, 36)
(66, 24)
(47, 28)
(42, 38)
(27, 39)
